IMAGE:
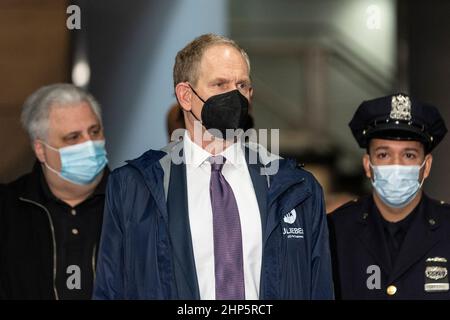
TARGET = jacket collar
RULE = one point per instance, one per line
(154, 165)
(282, 179)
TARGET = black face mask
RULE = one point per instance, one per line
(224, 111)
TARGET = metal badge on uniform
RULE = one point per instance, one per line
(400, 108)
(436, 275)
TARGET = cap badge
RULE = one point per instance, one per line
(400, 108)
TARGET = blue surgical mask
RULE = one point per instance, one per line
(396, 185)
(81, 163)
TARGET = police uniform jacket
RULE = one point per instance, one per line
(362, 265)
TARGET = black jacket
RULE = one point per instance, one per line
(27, 251)
(359, 248)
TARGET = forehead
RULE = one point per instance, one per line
(223, 60)
(395, 145)
(77, 117)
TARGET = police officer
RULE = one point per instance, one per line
(395, 243)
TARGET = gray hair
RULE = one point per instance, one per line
(36, 109)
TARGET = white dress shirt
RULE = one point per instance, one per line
(235, 171)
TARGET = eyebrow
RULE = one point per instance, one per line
(94, 126)
(219, 79)
(229, 80)
(384, 148)
(71, 133)
(381, 148)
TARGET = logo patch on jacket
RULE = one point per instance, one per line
(436, 275)
(290, 217)
(290, 232)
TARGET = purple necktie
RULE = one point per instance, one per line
(228, 258)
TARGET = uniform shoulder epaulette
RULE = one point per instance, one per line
(347, 205)
(444, 204)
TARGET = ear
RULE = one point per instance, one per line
(184, 95)
(366, 165)
(38, 148)
(250, 95)
(427, 166)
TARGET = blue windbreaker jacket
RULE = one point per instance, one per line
(136, 261)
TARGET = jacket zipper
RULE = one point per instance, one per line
(53, 240)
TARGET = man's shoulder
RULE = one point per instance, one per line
(26, 186)
(147, 159)
(136, 169)
(257, 152)
(441, 204)
(19, 181)
(290, 168)
(439, 207)
(20, 185)
(349, 211)
(301, 183)
(307, 175)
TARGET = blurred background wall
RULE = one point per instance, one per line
(313, 62)
(425, 36)
(131, 50)
(34, 50)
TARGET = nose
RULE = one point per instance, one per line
(399, 160)
(240, 89)
(85, 137)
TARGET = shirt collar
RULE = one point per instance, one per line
(234, 154)
(99, 190)
(195, 155)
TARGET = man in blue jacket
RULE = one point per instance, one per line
(209, 216)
